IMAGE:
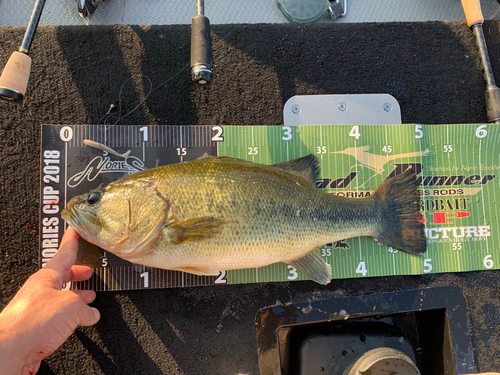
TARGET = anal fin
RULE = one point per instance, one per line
(314, 267)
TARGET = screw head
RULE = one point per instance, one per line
(342, 106)
(296, 109)
(387, 107)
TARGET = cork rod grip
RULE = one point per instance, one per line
(473, 13)
(16, 73)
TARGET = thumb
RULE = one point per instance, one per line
(88, 315)
(66, 254)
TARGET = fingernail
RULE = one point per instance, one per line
(88, 273)
(97, 314)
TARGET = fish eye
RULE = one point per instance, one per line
(94, 197)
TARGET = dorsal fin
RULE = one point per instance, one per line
(306, 168)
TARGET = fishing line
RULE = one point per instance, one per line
(151, 89)
(494, 14)
(112, 106)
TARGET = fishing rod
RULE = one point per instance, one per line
(15, 75)
(475, 19)
(201, 46)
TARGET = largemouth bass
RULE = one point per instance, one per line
(220, 213)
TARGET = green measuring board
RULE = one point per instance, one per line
(456, 166)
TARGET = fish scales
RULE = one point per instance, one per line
(269, 216)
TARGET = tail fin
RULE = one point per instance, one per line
(401, 225)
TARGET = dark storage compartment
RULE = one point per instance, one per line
(429, 326)
(329, 348)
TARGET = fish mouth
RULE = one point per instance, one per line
(70, 216)
(74, 218)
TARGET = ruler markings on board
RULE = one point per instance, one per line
(459, 266)
(487, 192)
(475, 237)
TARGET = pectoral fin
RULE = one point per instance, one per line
(314, 267)
(197, 229)
(200, 271)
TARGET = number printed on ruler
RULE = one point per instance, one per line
(455, 166)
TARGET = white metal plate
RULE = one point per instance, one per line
(367, 109)
(172, 12)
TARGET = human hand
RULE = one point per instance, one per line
(41, 316)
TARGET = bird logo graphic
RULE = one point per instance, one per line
(375, 162)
